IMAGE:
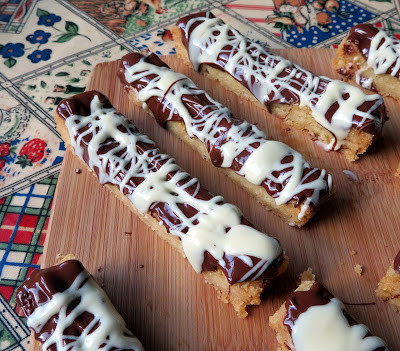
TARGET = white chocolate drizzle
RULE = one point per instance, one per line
(325, 327)
(111, 331)
(264, 160)
(215, 228)
(384, 52)
(366, 83)
(268, 75)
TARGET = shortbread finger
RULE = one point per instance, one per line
(339, 116)
(389, 286)
(312, 319)
(275, 174)
(372, 58)
(67, 310)
(233, 256)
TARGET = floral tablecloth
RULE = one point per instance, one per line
(48, 49)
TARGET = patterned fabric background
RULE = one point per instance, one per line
(48, 49)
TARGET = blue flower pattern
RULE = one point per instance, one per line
(49, 20)
(12, 50)
(40, 55)
(38, 37)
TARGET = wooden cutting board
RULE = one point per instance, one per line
(165, 303)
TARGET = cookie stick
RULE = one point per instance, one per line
(235, 258)
(275, 174)
(67, 310)
(339, 115)
(389, 286)
(372, 58)
(312, 319)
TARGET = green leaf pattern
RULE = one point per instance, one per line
(10, 62)
(71, 27)
(40, 12)
(72, 30)
(62, 74)
(65, 37)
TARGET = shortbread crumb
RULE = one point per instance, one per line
(397, 174)
(60, 258)
(389, 288)
(359, 269)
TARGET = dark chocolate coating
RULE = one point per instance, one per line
(300, 301)
(235, 268)
(198, 105)
(289, 96)
(40, 288)
(361, 36)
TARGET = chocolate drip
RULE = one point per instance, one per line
(235, 269)
(300, 301)
(199, 105)
(396, 264)
(361, 36)
(287, 95)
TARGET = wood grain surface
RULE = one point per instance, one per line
(165, 303)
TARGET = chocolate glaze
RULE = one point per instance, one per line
(198, 105)
(361, 36)
(300, 301)
(396, 264)
(289, 96)
(235, 268)
(42, 284)
(40, 288)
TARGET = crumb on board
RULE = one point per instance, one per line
(359, 269)
(353, 252)
(62, 258)
(397, 174)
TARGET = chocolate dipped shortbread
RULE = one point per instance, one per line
(279, 177)
(67, 310)
(231, 254)
(337, 115)
(312, 319)
(389, 286)
(372, 58)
